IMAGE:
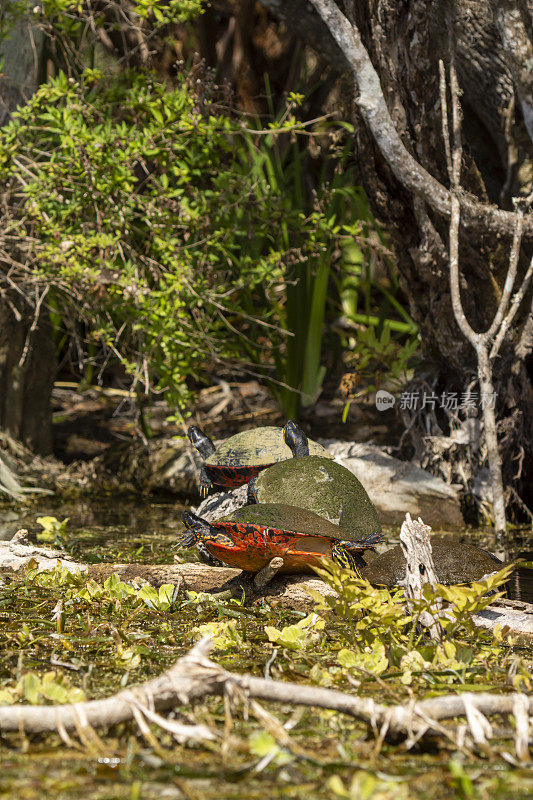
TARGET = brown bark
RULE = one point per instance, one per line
(512, 23)
(27, 353)
(27, 371)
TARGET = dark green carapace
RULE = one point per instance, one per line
(323, 486)
(455, 562)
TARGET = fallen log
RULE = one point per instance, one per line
(291, 591)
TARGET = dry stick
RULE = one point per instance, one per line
(487, 344)
(33, 326)
(419, 570)
(265, 575)
(408, 171)
(194, 676)
(507, 321)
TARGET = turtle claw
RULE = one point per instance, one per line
(369, 542)
(185, 539)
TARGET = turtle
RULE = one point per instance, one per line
(455, 562)
(243, 456)
(320, 485)
(251, 536)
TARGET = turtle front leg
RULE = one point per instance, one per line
(207, 557)
(347, 559)
(205, 483)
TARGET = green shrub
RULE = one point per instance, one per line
(171, 236)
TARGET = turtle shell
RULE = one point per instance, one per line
(257, 533)
(323, 486)
(455, 562)
(257, 447)
(280, 517)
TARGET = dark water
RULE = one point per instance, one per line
(125, 529)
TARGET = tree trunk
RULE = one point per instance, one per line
(22, 53)
(27, 371)
(405, 41)
(27, 354)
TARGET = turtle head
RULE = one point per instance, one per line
(200, 441)
(296, 439)
(196, 529)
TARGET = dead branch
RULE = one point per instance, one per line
(407, 170)
(32, 328)
(194, 676)
(268, 573)
(488, 343)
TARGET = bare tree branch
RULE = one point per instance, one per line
(407, 170)
(508, 320)
(194, 676)
(481, 342)
(510, 278)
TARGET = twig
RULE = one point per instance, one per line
(507, 321)
(33, 326)
(444, 114)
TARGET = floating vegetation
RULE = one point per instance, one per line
(64, 638)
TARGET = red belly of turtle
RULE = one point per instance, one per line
(257, 547)
(231, 477)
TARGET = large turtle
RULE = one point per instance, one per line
(251, 536)
(455, 562)
(241, 457)
(320, 485)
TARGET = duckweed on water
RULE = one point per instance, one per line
(63, 637)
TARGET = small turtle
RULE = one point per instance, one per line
(320, 485)
(243, 456)
(252, 536)
(455, 562)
